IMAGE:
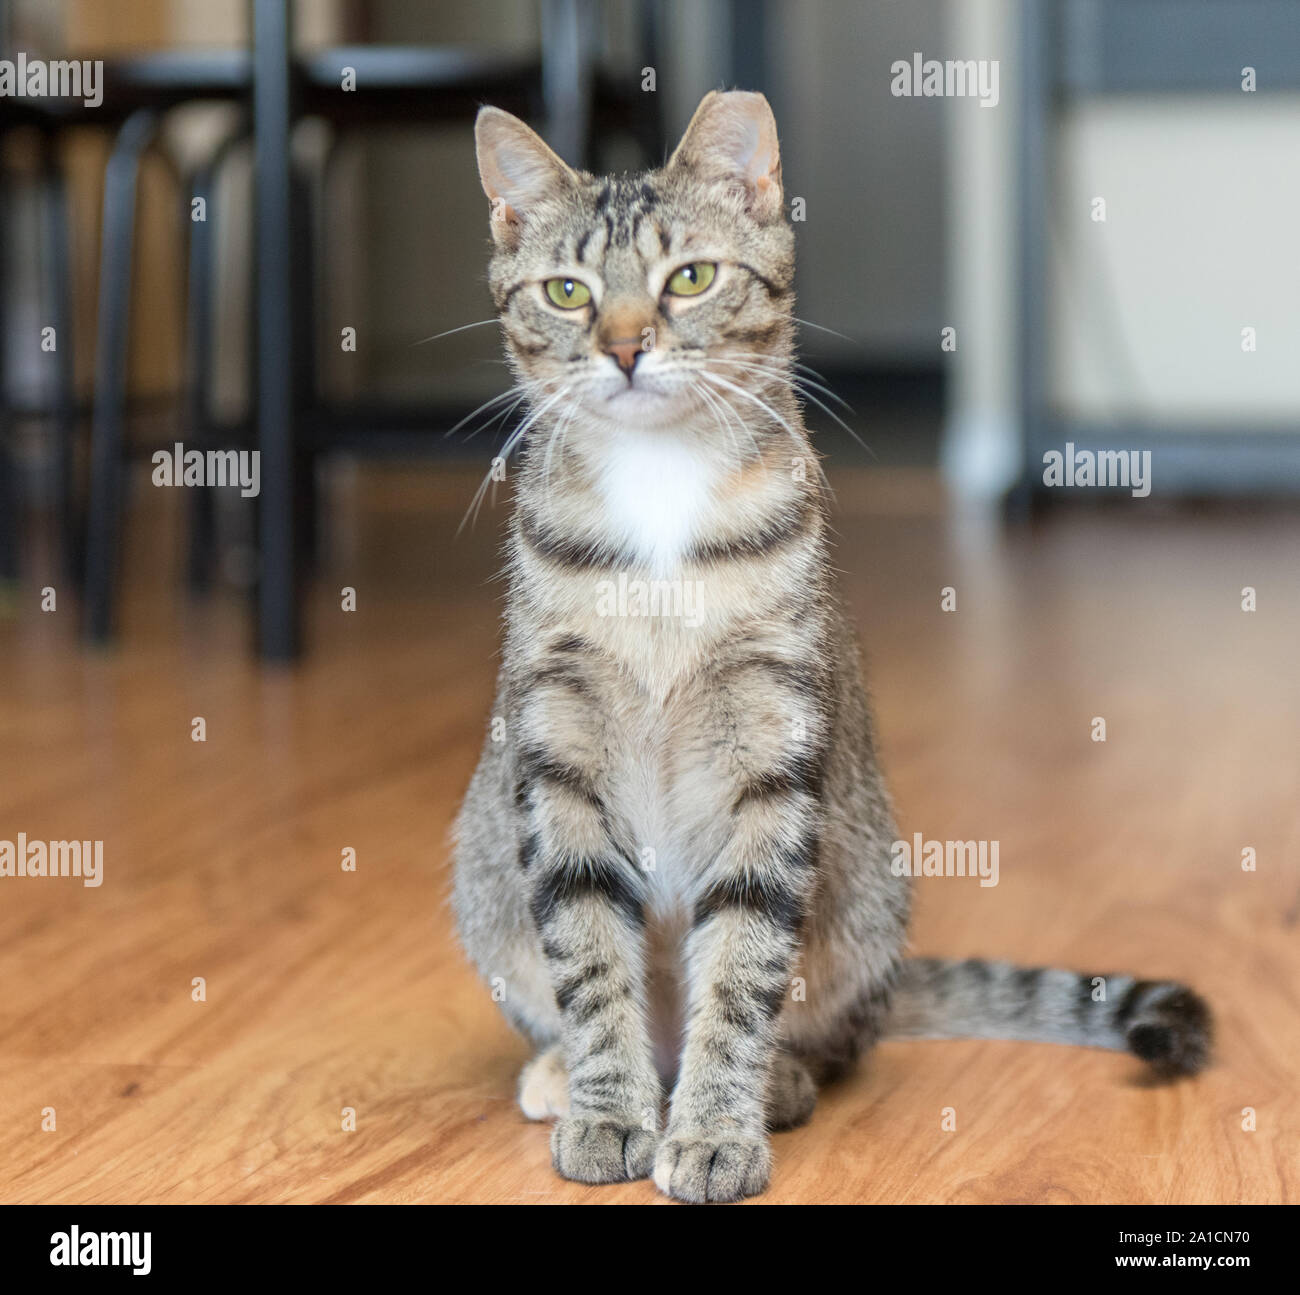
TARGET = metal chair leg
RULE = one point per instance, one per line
(306, 503)
(55, 257)
(277, 401)
(198, 328)
(200, 358)
(104, 520)
(9, 498)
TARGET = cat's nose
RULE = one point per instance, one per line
(625, 353)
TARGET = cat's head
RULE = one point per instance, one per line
(645, 300)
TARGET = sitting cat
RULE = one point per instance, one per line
(684, 816)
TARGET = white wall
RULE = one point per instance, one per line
(1201, 239)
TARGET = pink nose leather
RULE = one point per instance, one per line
(625, 353)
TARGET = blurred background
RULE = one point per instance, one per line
(1102, 251)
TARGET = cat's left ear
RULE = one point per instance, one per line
(732, 138)
(517, 171)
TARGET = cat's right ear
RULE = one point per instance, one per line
(517, 170)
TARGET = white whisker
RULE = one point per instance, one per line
(486, 405)
(478, 323)
(801, 442)
(515, 437)
(800, 387)
(821, 328)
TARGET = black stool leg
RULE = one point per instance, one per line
(306, 503)
(200, 355)
(104, 520)
(198, 387)
(277, 401)
(56, 254)
(9, 501)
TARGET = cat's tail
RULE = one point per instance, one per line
(1164, 1023)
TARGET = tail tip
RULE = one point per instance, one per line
(1173, 1032)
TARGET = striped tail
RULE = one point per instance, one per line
(1164, 1023)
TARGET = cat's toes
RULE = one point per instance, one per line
(791, 1094)
(544, 1086)
(712, 1168)
(592, 1149)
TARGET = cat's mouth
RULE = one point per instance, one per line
(643, 399)
(646, 387)
(639, 390)
(652, 396)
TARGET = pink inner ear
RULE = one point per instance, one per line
(504, 212)
(524, 179)
(753, 155)
(748, 144)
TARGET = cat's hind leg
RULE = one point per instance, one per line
(544, 1086)
(791, 1093)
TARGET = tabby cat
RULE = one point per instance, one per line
(674, 858)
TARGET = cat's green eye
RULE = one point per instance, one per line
(568, 294)
(691, 279)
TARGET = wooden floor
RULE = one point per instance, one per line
(327, 989)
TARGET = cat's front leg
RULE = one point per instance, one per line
(741, 949)
(587, 899)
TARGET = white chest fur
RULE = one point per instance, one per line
(658, 490)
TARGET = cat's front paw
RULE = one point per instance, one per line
(721, 1168)
(601, 1149)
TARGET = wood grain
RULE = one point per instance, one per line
(328, 989)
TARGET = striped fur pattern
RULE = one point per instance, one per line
(673, 860)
